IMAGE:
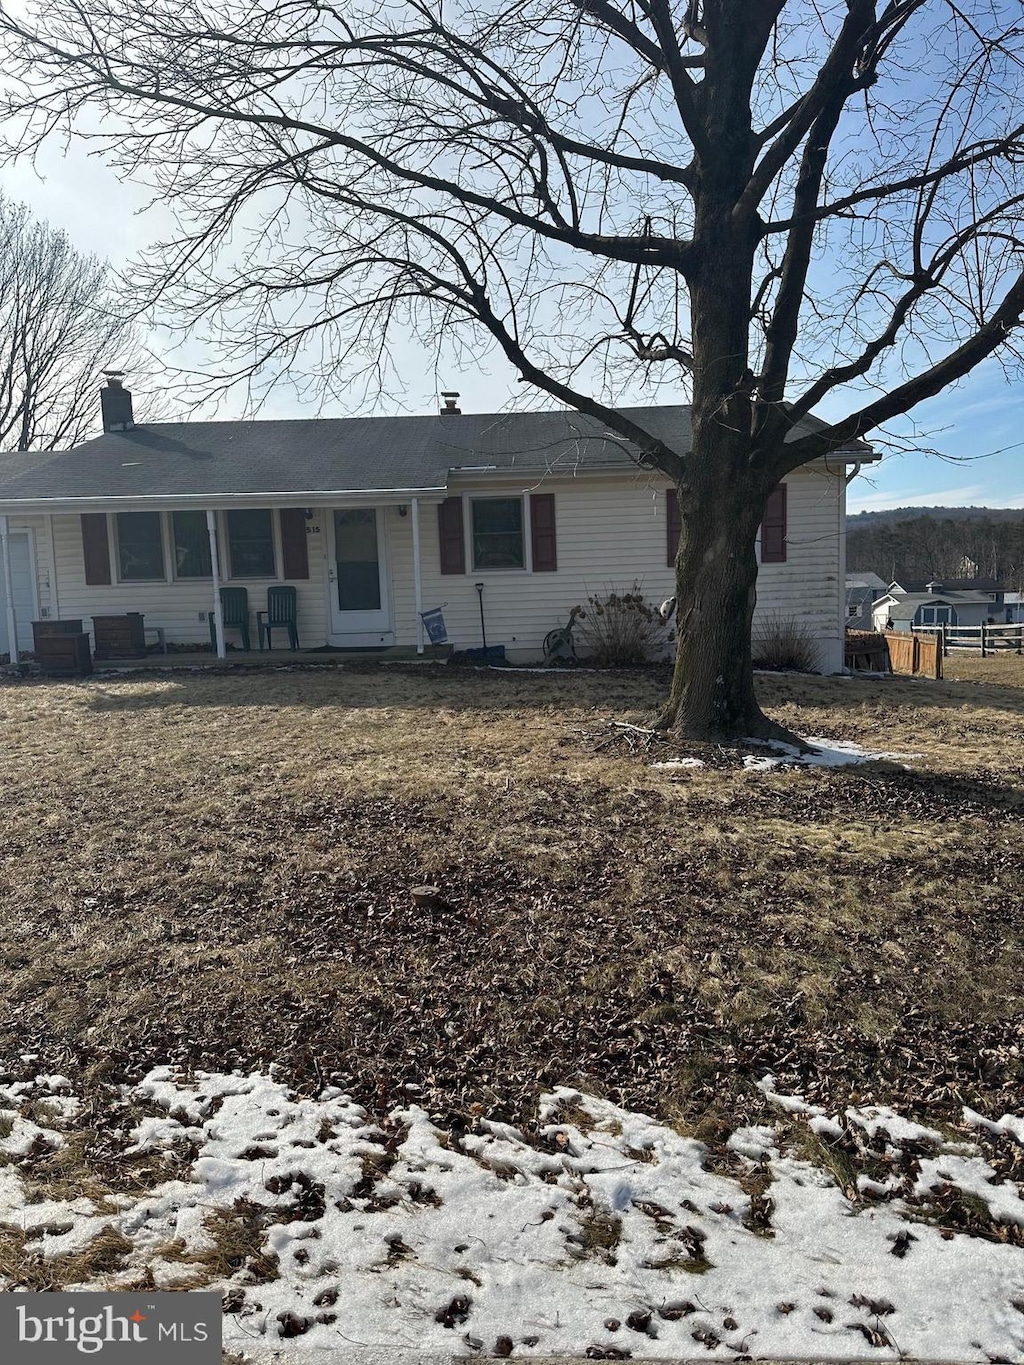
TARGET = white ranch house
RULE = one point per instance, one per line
(376, 520)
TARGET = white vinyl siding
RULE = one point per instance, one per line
(181, 606)
(610, 532)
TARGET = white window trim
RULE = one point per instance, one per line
(467, 522)
(228, 569)
(115, 556)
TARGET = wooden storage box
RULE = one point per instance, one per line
(119, 637)
(64, 655)
(41, 628)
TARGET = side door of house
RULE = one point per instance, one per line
(23, 577)
(358, 581)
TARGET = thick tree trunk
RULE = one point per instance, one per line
(712, 696)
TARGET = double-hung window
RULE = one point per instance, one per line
(191, 545)
(251, 544)
(497, 530)
(140, 548)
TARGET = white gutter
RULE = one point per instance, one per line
(12, 624)
(51, 565)
(353, 497)
(417, 573)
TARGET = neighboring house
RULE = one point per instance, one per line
(979, 587)
(375, 520)
(862, 589)
(1014, 603)
(936, 606)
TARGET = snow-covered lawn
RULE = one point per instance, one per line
(595, 1230)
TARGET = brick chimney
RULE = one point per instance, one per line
(116, 402)
(451, 399)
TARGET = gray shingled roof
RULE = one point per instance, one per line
(906, 608)
(330, 455)
(920, 585)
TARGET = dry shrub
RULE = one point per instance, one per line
(621, 629)
(784, 643)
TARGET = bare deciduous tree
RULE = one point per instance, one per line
(58, 328)
(759, 202)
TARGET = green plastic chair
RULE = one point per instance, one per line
(282, 610)
(234, 605)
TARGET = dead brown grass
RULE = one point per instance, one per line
(237, 1246)
(215, 870)
(22, 1268)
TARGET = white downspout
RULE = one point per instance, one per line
(218, 612)
(12, 624)
(51, 564)
(417, 573)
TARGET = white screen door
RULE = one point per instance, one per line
(358, 573)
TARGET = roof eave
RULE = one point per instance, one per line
(159, 502)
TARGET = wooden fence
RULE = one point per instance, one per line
(986, 639)
(912, 656)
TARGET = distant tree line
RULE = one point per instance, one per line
(940, 547)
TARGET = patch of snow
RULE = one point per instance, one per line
(974, 1176)
(26, 1135)
(875, 1117)
(829, 1129)
(830, 753)
(755, 1142)
(792, 1104)
(680, 763)
(1009, 1124)
(429, 1242)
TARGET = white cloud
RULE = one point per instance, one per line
(970, 495)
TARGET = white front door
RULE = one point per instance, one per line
(357, 574)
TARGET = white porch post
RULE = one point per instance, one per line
(12, 624)
(218, 613)
(417, 573)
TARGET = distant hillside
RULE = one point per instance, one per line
(939, 542)
(862, 519)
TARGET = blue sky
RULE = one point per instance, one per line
(977, 428)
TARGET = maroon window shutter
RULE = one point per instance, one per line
(453, 542)
(675, 525)
(293, 542)
(542, 532)
(773, 527)
(96, 547)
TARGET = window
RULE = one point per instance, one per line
(251, 545)
(498, 533)
(935, 616)
(853, 610)
(140, 549)
(191, 545)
